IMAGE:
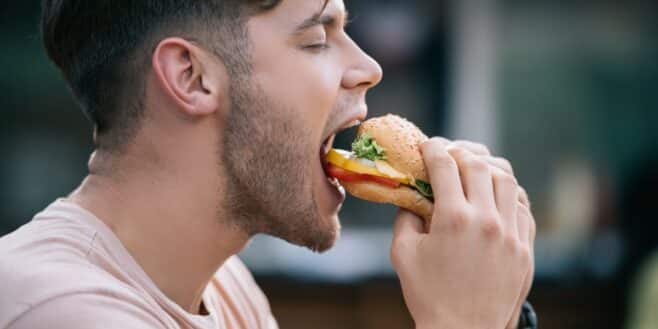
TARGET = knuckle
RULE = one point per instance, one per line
(432, 144)
(503, 178)
(457, 220)
(398, 252)
(525, 214)
(513, 244)
(523, 210)
(444, 141)
(505, 164)
(491, 227)
(440, 160)
(399, 244)
(474, 147)
(395, 256)
(481, 149)
(475, 164)
(457, 151)
(523, 194)
(525, 256)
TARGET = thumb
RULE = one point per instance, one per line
(407, 225)
(406, 232)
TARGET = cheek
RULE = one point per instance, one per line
(305, 83)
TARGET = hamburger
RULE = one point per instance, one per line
(385, 165)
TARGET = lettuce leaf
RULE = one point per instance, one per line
(424, 188)
(366, 148)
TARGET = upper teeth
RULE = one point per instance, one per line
(352, 124)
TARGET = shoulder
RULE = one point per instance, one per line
(54, 288)
(88, 311)
(45, 271)
(41, 260)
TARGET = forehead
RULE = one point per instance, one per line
(290, 13)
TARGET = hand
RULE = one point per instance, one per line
(500, 166)
(470, 268)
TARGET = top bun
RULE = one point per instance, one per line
(401, 141)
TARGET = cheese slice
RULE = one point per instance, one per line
(348, 161)
(389, 171)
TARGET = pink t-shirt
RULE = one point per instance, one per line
(67, 269)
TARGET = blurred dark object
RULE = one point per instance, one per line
(528, 318)
(639, 204)
(378, 304)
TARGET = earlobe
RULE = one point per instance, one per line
(184, 73)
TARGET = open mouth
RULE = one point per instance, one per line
(327, 145)
(324, 149)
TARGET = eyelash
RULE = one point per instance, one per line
(317, 46)
(325, 45)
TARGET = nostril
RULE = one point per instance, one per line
(367, 75)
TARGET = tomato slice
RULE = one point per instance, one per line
(349, 176)
(342, 174)
(382, 180)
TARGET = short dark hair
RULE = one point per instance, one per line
(103, 49)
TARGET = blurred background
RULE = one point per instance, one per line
(566, 90)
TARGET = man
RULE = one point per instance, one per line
(209, 119)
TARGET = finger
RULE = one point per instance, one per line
(523, 197)
(475, 148)
(443, 172)
(516, 315)
(501, 163)
(524, 219)
(443, 140)
(525, 289)
(506, 193)
(476, 179)
(481, 149)
(407, 225)
(532, 228)
(406, 232)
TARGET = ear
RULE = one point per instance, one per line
(193, 79)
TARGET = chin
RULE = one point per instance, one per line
(328, 199)
(321, 232)
(332, 233)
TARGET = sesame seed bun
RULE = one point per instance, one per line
(403, 196)
(401, 141)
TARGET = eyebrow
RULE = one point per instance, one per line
(320, 19)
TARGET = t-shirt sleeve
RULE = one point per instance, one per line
(87, 311)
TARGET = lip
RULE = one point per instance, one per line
(351, 121)
(336, 190)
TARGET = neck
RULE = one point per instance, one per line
(170, 222)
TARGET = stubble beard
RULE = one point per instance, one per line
(268, 175)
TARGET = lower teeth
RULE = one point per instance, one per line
(333, 181)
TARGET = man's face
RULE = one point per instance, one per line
(308, 80)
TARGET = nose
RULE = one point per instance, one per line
(363, 71)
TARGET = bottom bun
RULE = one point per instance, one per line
(403, 196)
